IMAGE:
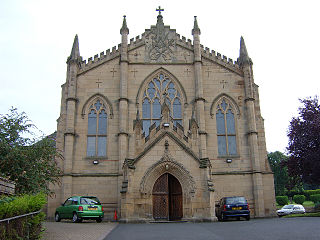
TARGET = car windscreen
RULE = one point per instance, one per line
(287, 207)
(89, 201)
(236, 200)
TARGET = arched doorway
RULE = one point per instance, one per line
(167, 198)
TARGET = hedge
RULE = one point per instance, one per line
(282, 200)
(300, 199)
(315, 198)
(291, 193)
(308, 193)
(25, 227)
(317, 207)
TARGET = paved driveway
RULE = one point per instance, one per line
(87, 230)
(255, 229)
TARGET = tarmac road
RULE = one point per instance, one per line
(256, 229)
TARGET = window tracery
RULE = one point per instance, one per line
(161, 89)
(226, 131)
(97, 130)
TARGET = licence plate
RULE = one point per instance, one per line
(236, 208)
(92, 208)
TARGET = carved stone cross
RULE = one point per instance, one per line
(208, 71)
(159, 10)
(134, 72)
(223, 82)
(187, 71)
(98, 82)
(113, 71)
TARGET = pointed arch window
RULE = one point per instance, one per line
(97, 130)
(160, 90)
(226, 130)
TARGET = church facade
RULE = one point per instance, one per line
(161, 128)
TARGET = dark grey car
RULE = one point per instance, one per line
(232, 207)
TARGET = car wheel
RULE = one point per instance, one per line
(248, 217)
(57, 217)
(99, 220)
(75, 218)
(223, 217)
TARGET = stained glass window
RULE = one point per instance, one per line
(97, 130)
(159, 90)
(226, 130)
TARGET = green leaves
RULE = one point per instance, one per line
(27, 161)
(304, 142)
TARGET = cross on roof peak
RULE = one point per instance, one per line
(160, 10)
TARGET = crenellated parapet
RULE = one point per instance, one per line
(99, 59)
(184, 42)
(136, 42)
(220, 59)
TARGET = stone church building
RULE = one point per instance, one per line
(161, 128)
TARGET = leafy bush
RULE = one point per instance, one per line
(315, 198)
(25, 227)
(317, 206)
(308, 193)
(300, 199)
(291, 193)
(282, 200)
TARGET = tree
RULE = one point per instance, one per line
(28, 162)
(281, 179)
(304, 143)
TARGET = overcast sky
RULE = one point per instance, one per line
(282, 38)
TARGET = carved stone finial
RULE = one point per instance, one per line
(124, 28)
(165, 113)
(137, 123)
(75, 52)
(196, 29)
(193, 114)
(244, 56)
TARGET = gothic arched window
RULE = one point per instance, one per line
(226, 130)
(97, 130)
(159, 90)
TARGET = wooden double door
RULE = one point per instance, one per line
(167, 198)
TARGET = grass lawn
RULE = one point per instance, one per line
(317, 214)
(308, 204)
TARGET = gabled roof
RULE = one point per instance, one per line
(160, 44)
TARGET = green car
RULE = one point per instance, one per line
(78, 208)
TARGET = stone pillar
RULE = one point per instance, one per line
(123, 104)
(71, 103)
(199, 100)
(246, 65)
(200, 117)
